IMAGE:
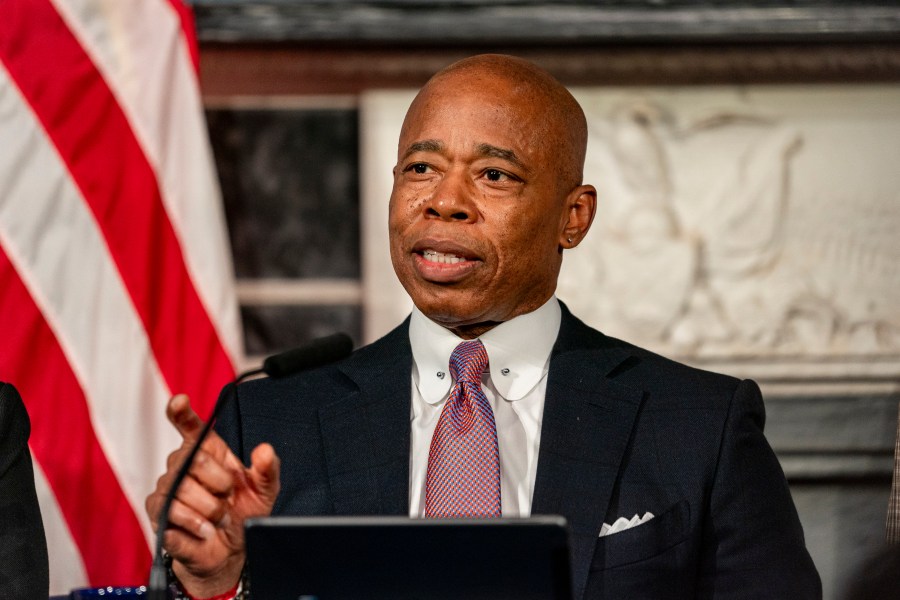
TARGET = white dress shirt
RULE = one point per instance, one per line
(515, 384)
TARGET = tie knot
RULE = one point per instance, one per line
(468, 360)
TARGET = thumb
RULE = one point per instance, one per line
(265, 472)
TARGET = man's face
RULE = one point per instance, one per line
(477, 210)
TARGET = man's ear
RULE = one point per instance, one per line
(581, 205)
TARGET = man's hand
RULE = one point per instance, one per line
(206, 532)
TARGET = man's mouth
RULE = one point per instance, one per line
(440, 257)
(444, 261)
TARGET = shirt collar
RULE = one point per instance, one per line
(518, 352)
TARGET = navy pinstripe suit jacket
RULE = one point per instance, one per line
(624, 432)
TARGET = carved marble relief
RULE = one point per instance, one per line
(734, 223)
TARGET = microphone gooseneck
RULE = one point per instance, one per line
(317, 353)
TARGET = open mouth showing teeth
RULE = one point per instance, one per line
(440, 257)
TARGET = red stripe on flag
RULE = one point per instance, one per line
(186, 14)
(94, 138)
(100, 518)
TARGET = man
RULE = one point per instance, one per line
(487, 196)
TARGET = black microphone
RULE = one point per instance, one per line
(317, 353)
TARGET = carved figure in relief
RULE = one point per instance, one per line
(685, 269)
(649, 263)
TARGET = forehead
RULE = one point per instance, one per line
(476, 111)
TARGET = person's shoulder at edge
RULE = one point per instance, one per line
(24, 569)
(14, 426)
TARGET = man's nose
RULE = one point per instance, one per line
(451, 200)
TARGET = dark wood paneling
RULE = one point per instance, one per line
(274, 69)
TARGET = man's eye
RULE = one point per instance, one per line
(419, 168)
(495, 175)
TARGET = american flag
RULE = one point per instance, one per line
(116, 287)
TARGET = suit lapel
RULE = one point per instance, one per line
(366, 433)
(587, 424)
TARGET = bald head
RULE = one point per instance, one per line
(539, 102)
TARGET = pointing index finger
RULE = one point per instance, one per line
(183, 417)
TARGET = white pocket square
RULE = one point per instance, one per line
(622, 524)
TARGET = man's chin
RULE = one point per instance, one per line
(447, 313)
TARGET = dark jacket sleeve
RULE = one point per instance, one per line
(753, 546)
(23, 548)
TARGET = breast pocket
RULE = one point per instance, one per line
(643, 541)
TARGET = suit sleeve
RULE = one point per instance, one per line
(753, 544)
(23, 547)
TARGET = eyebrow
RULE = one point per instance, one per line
(483, 150)
(423, 146)
(488, 150)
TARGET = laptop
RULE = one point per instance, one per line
(374, 558)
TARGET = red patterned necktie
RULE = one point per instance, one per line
(463, 477)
